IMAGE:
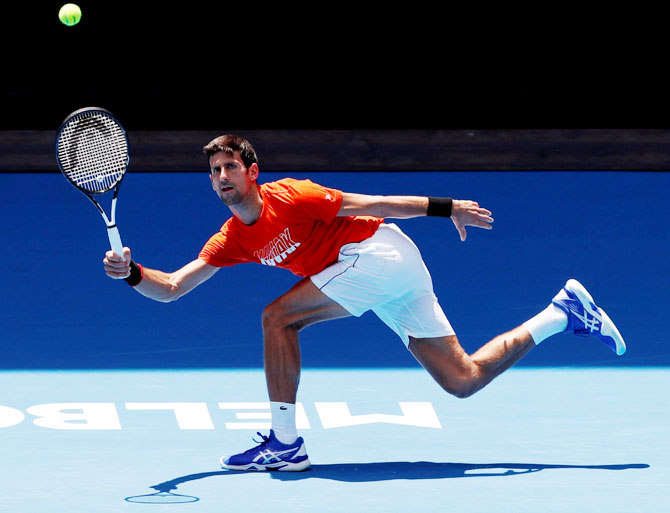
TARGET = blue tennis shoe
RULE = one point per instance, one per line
(270, 454)
(585, 318)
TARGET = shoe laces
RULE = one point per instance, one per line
(261, 443)
(264, 441)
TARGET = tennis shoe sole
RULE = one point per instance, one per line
(282, 466)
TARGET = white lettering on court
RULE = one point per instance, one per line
(196, 415)
(420, 414)
(10, 417)
(76, 415)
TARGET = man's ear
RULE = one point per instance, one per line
(254, 171)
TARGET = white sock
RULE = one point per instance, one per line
(548, 322)
(283, 422)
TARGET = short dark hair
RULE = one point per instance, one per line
(229, 144)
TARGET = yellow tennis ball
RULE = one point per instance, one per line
(69, 14)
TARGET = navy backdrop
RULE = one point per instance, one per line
(59, 310)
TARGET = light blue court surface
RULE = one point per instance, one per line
(550, 440)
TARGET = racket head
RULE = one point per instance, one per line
(92, 150)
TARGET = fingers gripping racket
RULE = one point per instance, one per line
(93, 154)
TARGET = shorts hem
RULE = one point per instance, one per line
(444, 333)
(334, 298)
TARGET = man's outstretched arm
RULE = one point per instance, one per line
(463, 213)
(155, 284)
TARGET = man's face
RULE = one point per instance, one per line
(231, 179)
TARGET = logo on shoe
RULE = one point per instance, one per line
(269, 456)
(590, 323)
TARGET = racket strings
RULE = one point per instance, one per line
(93, 151)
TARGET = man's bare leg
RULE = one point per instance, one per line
(283, 319)
(461, 374)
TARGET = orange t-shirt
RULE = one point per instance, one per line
(298, 230)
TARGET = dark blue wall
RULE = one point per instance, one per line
(59, 310)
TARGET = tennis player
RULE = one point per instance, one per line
(350, 261)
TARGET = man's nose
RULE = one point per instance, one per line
(219, 177)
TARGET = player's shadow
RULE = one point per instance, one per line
(368, 472)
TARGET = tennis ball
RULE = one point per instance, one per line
(69, 14)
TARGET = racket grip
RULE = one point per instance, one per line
(115, 240)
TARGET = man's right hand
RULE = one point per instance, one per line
(117, 267)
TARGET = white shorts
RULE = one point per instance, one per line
(386, 274)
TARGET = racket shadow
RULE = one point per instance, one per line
(383, 471)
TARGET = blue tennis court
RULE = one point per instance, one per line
(111, 402)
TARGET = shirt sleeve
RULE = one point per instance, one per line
(221, 251)
(315, 201)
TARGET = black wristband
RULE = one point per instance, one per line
(439, 207)
(136, 274)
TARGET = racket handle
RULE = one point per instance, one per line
(115, 239)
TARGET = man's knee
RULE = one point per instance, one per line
(273, 316)
(462, 391)
(459, 389)
(277, 317)
(448, 364)
(461, 385)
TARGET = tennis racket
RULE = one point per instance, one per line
(93, 154)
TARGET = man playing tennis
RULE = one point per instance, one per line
(351, 261)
